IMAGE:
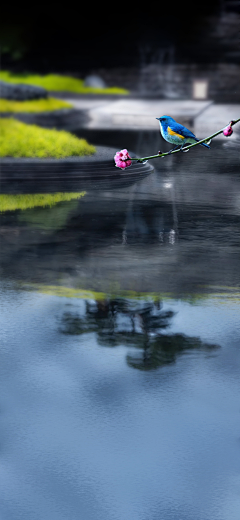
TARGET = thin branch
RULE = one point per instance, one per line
(187, 147)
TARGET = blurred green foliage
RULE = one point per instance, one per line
(20, 140)
(55, 82)
(49, 218)
(13, 39)
(10, 202)
(33, 105)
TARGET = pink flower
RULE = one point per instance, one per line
(120, 159)
(228, 130)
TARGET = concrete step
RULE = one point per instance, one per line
(137, 114)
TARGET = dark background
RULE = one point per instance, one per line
(79, 38)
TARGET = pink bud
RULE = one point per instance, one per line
(120, 159)
(228, 130)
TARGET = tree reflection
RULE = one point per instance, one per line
(135, 324)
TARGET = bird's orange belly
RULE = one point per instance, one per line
(172, 133)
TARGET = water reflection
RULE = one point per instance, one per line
(134, 324)
(162, 235)
(41, 209)
(80, 429)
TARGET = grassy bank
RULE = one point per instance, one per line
(55, 82)
(34, 105)
(20, 140)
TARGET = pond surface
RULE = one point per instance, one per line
(120, 351)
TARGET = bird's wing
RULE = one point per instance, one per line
(182, 130)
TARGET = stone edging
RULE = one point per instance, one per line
(96, 172)
(62, 119)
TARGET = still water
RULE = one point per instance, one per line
(120, 350)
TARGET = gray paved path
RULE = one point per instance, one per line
(204, 117)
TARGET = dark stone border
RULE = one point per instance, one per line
(74, 95)
(21, 92)
(112, 97)
(96, 172)
(62, 119)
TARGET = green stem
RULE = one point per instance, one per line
(142, 159)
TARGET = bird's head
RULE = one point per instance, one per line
(164, 121)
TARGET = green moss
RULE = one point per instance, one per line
(56, 82)
(68, 292)
(20, 140)
(33, 200)
(34, 105)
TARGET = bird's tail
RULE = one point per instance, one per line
(203, 144)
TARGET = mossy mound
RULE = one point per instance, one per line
(20, 140)
(33, 105)
(55, 82)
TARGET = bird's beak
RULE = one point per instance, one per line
(158, 118)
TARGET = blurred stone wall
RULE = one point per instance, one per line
(176, 81)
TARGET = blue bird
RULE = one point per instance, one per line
(175, 133)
